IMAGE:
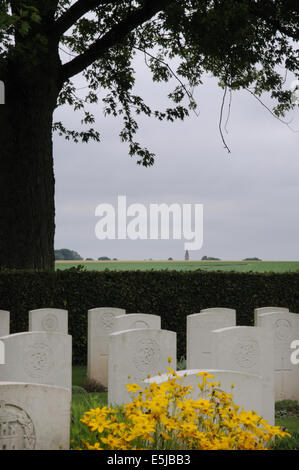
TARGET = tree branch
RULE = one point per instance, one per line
(190, 96)
(115, 36)
(271, 112)
(75, 12)
(275, 23)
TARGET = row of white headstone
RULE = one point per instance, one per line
(124, 345)
(261, 349)
(36, 373)
(256, 359)
(213, 342)
(35, 382)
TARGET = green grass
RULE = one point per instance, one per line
(287, 416)
(79, 375)
(80, 404)
(239, 266)
(291, 424)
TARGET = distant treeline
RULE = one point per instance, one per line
(70, 255)
(65, 254)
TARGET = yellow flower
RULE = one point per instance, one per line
(173, 373)
(111, 441)
(118, 427)
(205, 374)
(165, 412)
(133, 388)
(96, 446)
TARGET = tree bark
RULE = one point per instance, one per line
(26, 163)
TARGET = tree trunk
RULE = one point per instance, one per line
(26, 165)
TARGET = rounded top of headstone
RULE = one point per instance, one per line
(261, 310)
(218, 309)
(145, 332)
(48, 310)
(115, 311)
(193, 372)
(245, 329)
(32, 334)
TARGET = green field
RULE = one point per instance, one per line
(240, 266)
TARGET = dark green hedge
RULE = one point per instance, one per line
(171, 294)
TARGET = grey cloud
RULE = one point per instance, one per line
(250, 196)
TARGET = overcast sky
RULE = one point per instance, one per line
(250, 196)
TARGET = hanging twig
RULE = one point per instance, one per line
(220, 120)
(229, 108)
(271, 112)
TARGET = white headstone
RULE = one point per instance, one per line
(229, 311)
(199, 329)
(38, 357)
(134, 321)
(4, 323)
(247, 349)
(34, 417)
(101, 323)
(261, 310)
(137, 354)
(2, 352)
(285, 328)
(53, 320)
(248, 389)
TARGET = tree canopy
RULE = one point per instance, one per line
(247, 44)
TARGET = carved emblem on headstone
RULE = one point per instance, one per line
(50, 322)
(246, 353)
(283, 329)
(146, 356)
(107, 320)
(140, 324)
(16, 428)
(38, 360)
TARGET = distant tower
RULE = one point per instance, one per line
(186, 255)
